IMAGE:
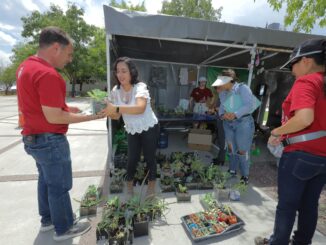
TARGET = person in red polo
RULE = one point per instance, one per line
(41, 96)
(200, 97)
(302, 167)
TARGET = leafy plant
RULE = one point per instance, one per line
(97, 94)
(221, 179)
(118, 175)
(196, 166)
(120, 137)
(182, 188)
(91, 191)
(241, 187)
(140, 171)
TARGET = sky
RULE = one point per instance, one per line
(244, 12)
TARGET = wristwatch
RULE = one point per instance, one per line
(117, 109)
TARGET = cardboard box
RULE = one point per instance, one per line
(200, 139)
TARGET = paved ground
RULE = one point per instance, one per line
(19, 220)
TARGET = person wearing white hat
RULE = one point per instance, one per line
(238, 124)
(302, 167)
(200, 97)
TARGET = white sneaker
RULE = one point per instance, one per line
(76, 230)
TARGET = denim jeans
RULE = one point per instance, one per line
(52, 155)
(301, 177)
(239, 134)
(145, 141)
(220, 140)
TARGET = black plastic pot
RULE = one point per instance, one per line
(141, 228)
(101, 235)
(85, 211)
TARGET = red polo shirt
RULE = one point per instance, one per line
(201, 95)
(307, 92)
(38, 83)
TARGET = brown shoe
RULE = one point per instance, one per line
(261, 241)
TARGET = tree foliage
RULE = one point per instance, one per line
(73, 23)
(303, 13)
(129, 6)
(201, 9)
(7, 76)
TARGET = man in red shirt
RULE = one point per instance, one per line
(41, 96)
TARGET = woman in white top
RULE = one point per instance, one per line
(131, 99)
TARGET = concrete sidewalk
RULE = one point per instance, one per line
(19, 219)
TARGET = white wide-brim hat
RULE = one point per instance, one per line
(221, 80)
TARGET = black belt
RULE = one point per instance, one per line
(245, 115)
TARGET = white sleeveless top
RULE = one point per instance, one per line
(135, 123)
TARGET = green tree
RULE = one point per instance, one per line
(201, 9)
(303, 13)
(96, 58)
(129, 6)
(73, 23)
(7, 76)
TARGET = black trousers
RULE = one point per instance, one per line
(145, 141)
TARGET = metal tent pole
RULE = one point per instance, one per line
(252, 63)
(108, 76)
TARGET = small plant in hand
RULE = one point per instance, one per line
(97, 94)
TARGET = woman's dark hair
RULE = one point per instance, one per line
(52, 34)
(230, 73)
(132, 69)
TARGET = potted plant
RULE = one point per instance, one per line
(178, 169)
(221, 193)
(166, 183)
(98, 99)
(89, 202)
(115, 225)
(166, 169)
(116, 185)
(139, 209)
(208, 201)
(140, 173)
(182, 194)
(157, 209)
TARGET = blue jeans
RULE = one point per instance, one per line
(301, 177)
(220, 140)
(238, 135)
(52, 155)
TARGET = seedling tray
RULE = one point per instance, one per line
(201, 228)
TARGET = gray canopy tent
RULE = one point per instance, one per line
(180, 40)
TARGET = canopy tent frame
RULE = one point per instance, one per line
(149, 38)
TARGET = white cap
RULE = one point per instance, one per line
(221, 80)
(202, 79)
